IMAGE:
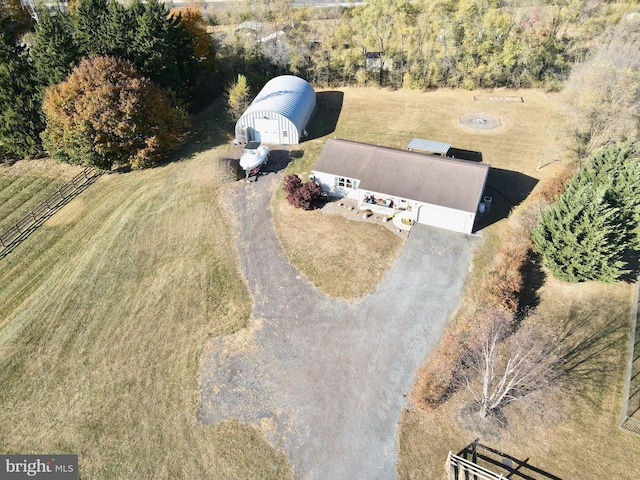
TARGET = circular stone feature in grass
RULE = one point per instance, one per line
(480, 121)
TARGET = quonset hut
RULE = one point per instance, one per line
(279, 114)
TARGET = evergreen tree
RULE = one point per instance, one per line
(21, 119)
(153, 48)
(90, 19)
(119, 30)
(616, 167)
(54, 51)
(579, 236)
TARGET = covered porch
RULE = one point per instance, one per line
(398, 209)
(380, 203)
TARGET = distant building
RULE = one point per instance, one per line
(376, 61)
(279, 114)
(254, 26)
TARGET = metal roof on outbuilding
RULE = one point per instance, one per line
(287, 95)
(432, 179)
(429, 146)
(280, 112)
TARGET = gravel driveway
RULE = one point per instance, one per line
(326, 379)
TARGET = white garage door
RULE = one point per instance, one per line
(444, 218)
(267, 130)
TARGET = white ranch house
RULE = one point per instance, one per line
(432, 190)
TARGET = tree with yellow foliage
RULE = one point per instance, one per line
(238, 97)
(107, 114)
(196, 28)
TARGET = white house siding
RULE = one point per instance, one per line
(328, 183)
(427, 214)
(398, 203)
(443, 217)
(438, 191)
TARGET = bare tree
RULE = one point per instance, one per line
(602, 94)
(503, 368)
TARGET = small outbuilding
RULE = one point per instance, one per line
(279, 114)
(433, 190)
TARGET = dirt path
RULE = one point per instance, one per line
(326, 379)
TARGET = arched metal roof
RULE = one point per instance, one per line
(287, 95)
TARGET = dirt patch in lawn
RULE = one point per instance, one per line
(480, 121)
(70, 213)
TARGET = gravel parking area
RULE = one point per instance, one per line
(325, 379)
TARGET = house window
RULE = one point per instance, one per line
(346, 183)
(284, 134)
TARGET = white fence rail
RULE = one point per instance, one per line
(459, 468)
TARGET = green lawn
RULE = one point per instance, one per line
(106, 310)
(27, 183)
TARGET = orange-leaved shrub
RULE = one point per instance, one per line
(106, 113)
(495, 297)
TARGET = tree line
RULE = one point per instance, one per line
(418, 44)
(56, 94)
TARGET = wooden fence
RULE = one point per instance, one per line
(36, 217)
(630, 414)
(481, 462)
(459, 468)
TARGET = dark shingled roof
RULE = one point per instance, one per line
(430, 179)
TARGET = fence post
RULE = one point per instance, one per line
(58, 192)
(626, 389)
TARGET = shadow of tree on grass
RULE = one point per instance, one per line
(533, 277)
(210, 128)
(591, 343)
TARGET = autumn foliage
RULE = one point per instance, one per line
(291, 184)
(496, 297)
(302, 195)
(106, 114)
(196, 28)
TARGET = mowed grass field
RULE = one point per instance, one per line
(105, 311)
(345, 258)
(26, 183)
(107, 307)
(575, 436)
(529, 128)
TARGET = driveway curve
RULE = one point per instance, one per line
(326, 379)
